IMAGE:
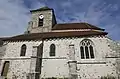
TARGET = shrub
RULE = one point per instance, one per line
(108, 77)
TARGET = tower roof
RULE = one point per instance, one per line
(42, 9)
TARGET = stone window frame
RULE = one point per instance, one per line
(23, 50)
(87, 49)
(52, 50)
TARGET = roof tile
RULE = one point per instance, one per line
(68, 26)
(47, 35)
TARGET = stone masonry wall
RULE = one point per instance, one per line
(105, 63)
(86, 68)
(47, 23)
(2, 50)
(20, 66)
(115, 46)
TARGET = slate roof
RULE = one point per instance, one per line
(69, 26)
(47, 35)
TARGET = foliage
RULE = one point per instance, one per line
(108, 77)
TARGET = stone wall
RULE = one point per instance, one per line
(48, 22)
(102, 65)
(2, 50)
(20, 66)
(115, 46)
(105, 61)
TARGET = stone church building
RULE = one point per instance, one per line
(48, 50)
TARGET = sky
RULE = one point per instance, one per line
(15, 14)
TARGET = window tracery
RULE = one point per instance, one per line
(86, 49)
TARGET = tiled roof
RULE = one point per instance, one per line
(2, 38)
(41, 9)
(47, 35)
(68, 26)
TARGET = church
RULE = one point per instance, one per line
(47, 50)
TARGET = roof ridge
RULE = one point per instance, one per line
(87, 25)
(73, 23)
(41, 9)
(82, 25)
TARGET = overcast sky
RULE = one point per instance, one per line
(14, 14)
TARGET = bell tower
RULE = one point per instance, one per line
(42, 20)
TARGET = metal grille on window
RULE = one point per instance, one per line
(86, 49)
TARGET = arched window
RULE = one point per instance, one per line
(82, 52)
(91, 51)
(86, 49)
(5, 68)
(87, 52)
(41, 18)
(52, 50)
(23, 50)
